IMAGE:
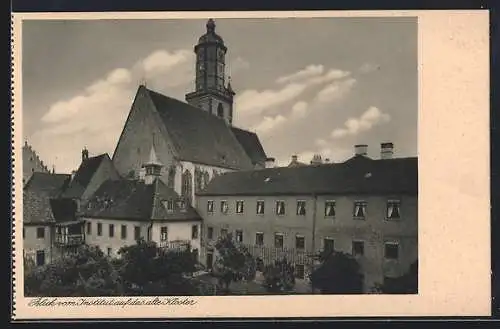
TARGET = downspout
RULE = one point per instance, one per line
(313, 239)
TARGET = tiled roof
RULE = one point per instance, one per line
(38, 192)
(135, 200)
(251, 143)
(83, 176)
(199, 136)
(359, 175)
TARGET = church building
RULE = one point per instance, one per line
(195, 140)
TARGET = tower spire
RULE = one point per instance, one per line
(210, 26)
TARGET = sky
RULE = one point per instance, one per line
(305, 85)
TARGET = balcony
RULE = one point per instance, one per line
(69, 240)
(176, 245)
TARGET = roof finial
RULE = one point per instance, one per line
(210, 25)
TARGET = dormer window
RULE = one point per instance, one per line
(182, 205)
(169, 205)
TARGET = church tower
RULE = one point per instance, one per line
(211, 92)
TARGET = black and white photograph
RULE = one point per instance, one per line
(213, 157)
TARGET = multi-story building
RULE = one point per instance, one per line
(365, 207)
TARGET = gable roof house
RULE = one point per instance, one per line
(146, 203)
(91, 173)
(38, 192)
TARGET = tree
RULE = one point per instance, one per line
(279, 277)
(338, 273)
(233, 262)
(146, 269)
(87, 272)
(405, 284)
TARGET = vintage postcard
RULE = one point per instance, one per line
(251, 164)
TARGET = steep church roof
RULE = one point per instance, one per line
(136, 200)
(251, 143)
(199, 136)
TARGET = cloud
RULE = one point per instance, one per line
(299, 110)
(320, 142)
(371, 117)
(307, 72)
(268, 124)
(95, 117)
(329, 76)
(257, 101)
(368, 68)
(162, 60)
(335, 90)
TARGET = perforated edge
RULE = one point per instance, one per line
(12, 171)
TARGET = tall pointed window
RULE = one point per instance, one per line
(187, 185)
(198, 180)
(171, 177)
(220, 110)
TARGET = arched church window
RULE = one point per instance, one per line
(171, 177)
(220, 110)
(206, 178)
(198, 180)
(187, 185)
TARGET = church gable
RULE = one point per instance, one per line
(142, 129)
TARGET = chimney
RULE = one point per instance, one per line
(361, 149)
(270, 163)
(316, 160)
(295, 158)
(85, 154)
(327, 160)
(386, 150)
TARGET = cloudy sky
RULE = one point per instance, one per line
(305, 86)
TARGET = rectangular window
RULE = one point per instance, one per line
(137, 233)
(359, 210)
(223, 232)
(358, 248)
(99, 229)
(111, 230)
(124, 232)
(210, 233)
(280, 208)
(109, 251)
(239, 236)
(391, 250)
(328, 244)
(300, 242)
(278, 240)
(163, 233)
(301, 207)
(260, 207)
(300, 271)
(393, 209)
(194, 232)
(182, 205)
(330, 208)
(89, 228)
(224, 207)
(239, 207)
(40, 257)
(40, 232)
(259, 239)
(210, 206)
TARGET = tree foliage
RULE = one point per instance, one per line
(279, 277)
(405, 284)
(233, 262)
(87, 272)
(338, 273)
(142, 269)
